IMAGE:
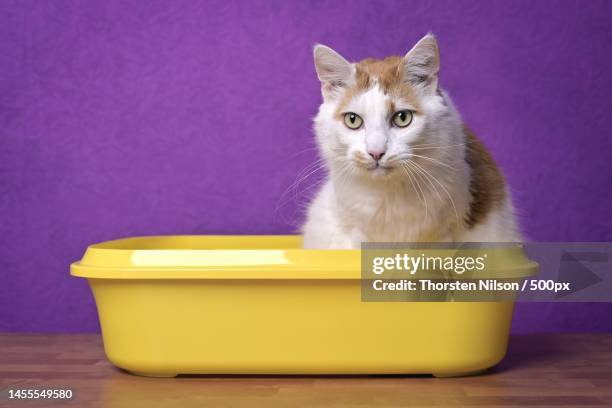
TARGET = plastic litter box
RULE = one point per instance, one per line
(262, 305)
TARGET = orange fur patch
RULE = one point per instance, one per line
(487, 184)
(389, 73)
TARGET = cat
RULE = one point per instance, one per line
(402, 166)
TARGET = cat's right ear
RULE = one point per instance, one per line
(333, 70)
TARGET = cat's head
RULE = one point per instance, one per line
(378, 116)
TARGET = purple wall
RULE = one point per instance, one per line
(130, 118)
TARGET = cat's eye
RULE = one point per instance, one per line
(352, 120)
(402, 118)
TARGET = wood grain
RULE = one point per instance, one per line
(539, 371)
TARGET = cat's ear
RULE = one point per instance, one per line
(333, 70)
(422, 64)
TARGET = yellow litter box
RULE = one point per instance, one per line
(262, 305)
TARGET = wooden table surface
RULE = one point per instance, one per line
(540, 370)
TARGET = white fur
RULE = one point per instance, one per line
(360, 202)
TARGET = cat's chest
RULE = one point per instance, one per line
(392, 217)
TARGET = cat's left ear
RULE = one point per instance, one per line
(422, 64)
(333, 70)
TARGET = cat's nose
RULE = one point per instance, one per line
(376, 154)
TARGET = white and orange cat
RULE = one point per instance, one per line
(402, 166)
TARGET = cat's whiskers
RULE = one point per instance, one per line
(406, 157)
(343, 173)
(304, 151)
(292, 192)
(433, 160)
(302, 176)
(443, 188)
(422, 173)
(430, 185)
(418, 184)
(410, 172)
(307, 172)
